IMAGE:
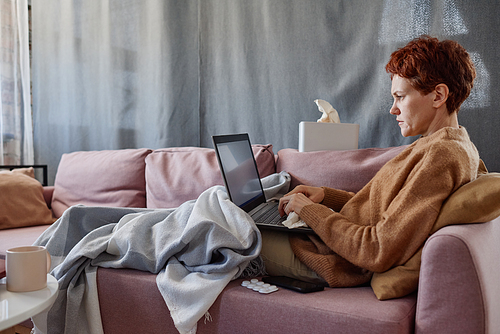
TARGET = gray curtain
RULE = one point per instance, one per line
(111, 74)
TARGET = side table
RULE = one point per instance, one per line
(15, 307)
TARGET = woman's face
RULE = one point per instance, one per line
(415, 112)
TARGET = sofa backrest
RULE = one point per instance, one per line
(100, 178)
(176, 175)
(166, 178)
(347, 170)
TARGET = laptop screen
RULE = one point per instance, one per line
(239, 170)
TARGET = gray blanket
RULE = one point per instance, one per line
(195, 249)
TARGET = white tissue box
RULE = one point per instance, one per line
(314, 136)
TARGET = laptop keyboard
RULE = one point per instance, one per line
(267, 214)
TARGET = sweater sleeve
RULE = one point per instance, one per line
(335, 199)
(386, 223)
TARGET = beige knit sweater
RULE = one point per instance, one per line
(386, 222)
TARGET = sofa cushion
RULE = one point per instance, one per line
(334, 310)
(350, 310)
(100, 178)
(149, 306)
(176, 175)
(21, 200)
(22, 236)
(347, 170)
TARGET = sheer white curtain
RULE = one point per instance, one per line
(16, 128)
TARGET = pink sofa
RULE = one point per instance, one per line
(458, 289)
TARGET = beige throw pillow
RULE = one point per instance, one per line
(21, 200)
(474, 202)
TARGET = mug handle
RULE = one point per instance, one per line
(49, 261)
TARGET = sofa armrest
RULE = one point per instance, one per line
(458, 287)
(48, 191)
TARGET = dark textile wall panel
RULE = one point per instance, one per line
(265, 62)
(132, 73)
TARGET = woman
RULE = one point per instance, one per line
(386, 222)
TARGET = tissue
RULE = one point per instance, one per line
(293, 221)
(330, 115)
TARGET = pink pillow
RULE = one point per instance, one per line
(347, 170)
(176, 175)
(101, 178)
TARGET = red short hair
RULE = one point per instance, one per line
(428, 62)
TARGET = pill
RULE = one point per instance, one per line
(268, 290)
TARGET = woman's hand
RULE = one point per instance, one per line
(299, 197)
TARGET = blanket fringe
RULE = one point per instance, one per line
(255, 268)
(208, 317)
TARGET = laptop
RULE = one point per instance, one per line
(242, 181)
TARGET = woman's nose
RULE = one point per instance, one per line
(394, 109)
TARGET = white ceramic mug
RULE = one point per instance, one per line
(27, 268)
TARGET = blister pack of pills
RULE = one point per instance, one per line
(259, 286)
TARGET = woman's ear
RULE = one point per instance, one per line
(442, 93)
